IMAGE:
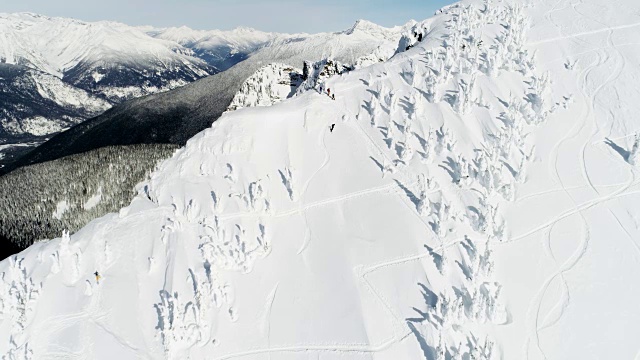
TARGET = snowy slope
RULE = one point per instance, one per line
(472, 202)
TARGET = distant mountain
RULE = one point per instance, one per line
(34, 105)
(175, 116)
(109, 59)
(220, 49)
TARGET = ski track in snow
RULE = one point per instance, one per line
(303, 209)
(319, 203)
(570, 263)
(621, 192)
(533, 313)
(586, 33)
(398, 335)
(615, 75)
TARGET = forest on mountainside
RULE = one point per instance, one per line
(41, 201)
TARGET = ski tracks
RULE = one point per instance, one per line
(585, 33)
(536, 325)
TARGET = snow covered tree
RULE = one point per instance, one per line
(634, 154)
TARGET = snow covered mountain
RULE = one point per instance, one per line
(175, 116)
(172, 117)
(476, 199)
(93, 64)
(107, 58)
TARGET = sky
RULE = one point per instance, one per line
(290, 16)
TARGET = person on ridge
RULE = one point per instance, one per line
(329, 92)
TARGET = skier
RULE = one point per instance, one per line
(333, 96)
(329, 92)
(98, 277)
(332, 127)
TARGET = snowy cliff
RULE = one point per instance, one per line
(277, 82)
(472, 202)
(269, 85)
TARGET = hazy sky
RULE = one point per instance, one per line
(267, 15)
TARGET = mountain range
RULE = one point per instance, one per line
(113, 63)
(99, 64)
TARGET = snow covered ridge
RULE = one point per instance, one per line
(465, 206)
(277, 82)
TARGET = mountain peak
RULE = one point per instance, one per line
(245, 29)
(365, 26)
